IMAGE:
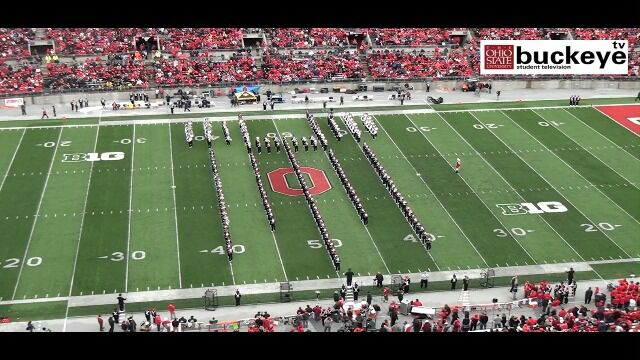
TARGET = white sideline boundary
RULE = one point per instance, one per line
(161, 120)
(333, 283)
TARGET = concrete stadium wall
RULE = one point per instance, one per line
(448, 85)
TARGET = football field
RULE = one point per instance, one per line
(126, 207)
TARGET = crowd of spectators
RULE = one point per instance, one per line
(322, 58)
(203, 71)
(96, 72)
(91, 41)
(408, 36)
(14, 43)
(21, 79)
(284, 67)
(509, 34)
(402, 65)
(630, 34)
(620, 314)
(201, 39)
(299, 38)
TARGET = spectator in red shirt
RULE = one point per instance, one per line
(172, 311)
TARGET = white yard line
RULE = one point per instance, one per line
(161, 120)
(593, 185)
(583, 214)
(33, 226)
(365, 156)
(279, 256)
(434, 195)
(273, 234)
(602, 135)
(233, 277)
(332, 283)
(512, 188)
(307, 205)
(472, 190)
(12, 158)
(133, 150)
(614, 120)
(175, 208)
(84, 210)
(365, 228)
(592, 154)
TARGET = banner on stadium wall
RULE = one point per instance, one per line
(253, 89)
(15, 102)
(561, 57)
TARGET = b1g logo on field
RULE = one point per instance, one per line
(319, 181)
(531, 208)
(106, 156)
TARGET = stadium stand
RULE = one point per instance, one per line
(298, 38)
(14, 42)
(25, 79)
(144, 57)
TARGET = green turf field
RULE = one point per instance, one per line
(115, 224)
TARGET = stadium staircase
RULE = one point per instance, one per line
(464, 298)
(41, 34)
(349, 297)
(365, 66)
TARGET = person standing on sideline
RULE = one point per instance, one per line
(44, 113)
(237, 296)
(638, 97)
(498, 95)
(428, 87)
(342, 99)
(385, 294)
(53, 107)
(356, 290)
(112, 323)
(172, 311)
(454, 280)
(570, 273)
(23, 108)
(587, 296)
(101, 322)
(465, 283)
(369, 298)
(514, 286)
(116, 315)
(379, 278)
(349, 275)
(121, 302)
(424, 280)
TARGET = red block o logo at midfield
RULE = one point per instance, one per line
(319, 181)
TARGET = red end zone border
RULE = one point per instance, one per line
(625, 115)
